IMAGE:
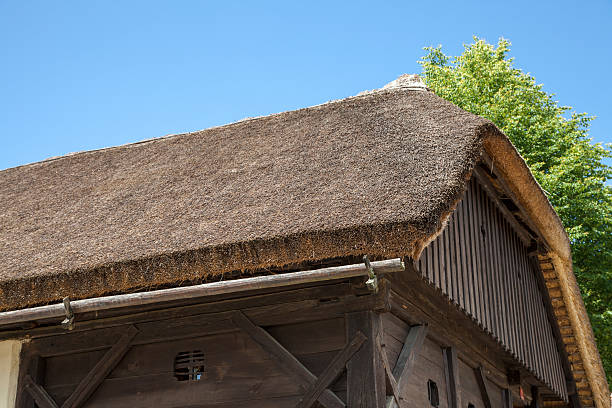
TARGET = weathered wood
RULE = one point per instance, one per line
(366, 383)
(31, 365)
(452, 376)
(332, 371)
(535, 397)
(507, 398)
(488, 187)
(448, 325)
(176, 326)
(235, 369)
(94, 378)
(501, 291)
(321, 300)
(38, 393)
(284, 358)
(484, 388)
(207, 289)
(410, 351)
(396, 396)
(405, 362)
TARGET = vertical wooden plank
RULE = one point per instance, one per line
(452, 251)
(463, 256)
(480, 272)
(469, 255)
(451, 372)
(489, 311)
(515, 300)
(515, 271)
(520, 296)
(535, 397)
(535, 332)
(495, 265)
(447, 262)
(421, 263)
(458, 256)
(489, 245)
(550, 360)
(442, 259)
(505, 282)
(527, 334)
(507, 398)
(366, 385)
(435, 265)
(476, 283)
(537, 329)
(452, 265)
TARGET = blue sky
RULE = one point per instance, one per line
(80, 75)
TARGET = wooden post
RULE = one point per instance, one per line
(366, 384)
(535, 397)
(452, 376)
(507, 398)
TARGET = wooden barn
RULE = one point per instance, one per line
(384, 250)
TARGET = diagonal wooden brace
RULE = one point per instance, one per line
(332, 371)
(284, 358)
(482, 384)
(39, 394)
(390, 378)
(405, 361)
(94, 378)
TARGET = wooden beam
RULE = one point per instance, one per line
(507, 398)
(365, 378)
(452, 376)
(405, 361)
(410, 351)
(284, 358)
(203, 290)
(261, 308)
(391, 382)
(38, 394)
(100, 371)
(484, 388)
(332, 371)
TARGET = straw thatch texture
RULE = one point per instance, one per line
(371, 174)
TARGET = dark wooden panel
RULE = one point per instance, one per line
(480, 262)
(365, 371)
(236, 369)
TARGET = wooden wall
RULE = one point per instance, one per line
(237, 372)
(481, 264)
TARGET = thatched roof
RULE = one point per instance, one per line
(376, 174)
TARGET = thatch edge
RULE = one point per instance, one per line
(512, 167)
(384, 241)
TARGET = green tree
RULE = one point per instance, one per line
(555, 143)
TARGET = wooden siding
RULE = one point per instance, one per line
(480, 262)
